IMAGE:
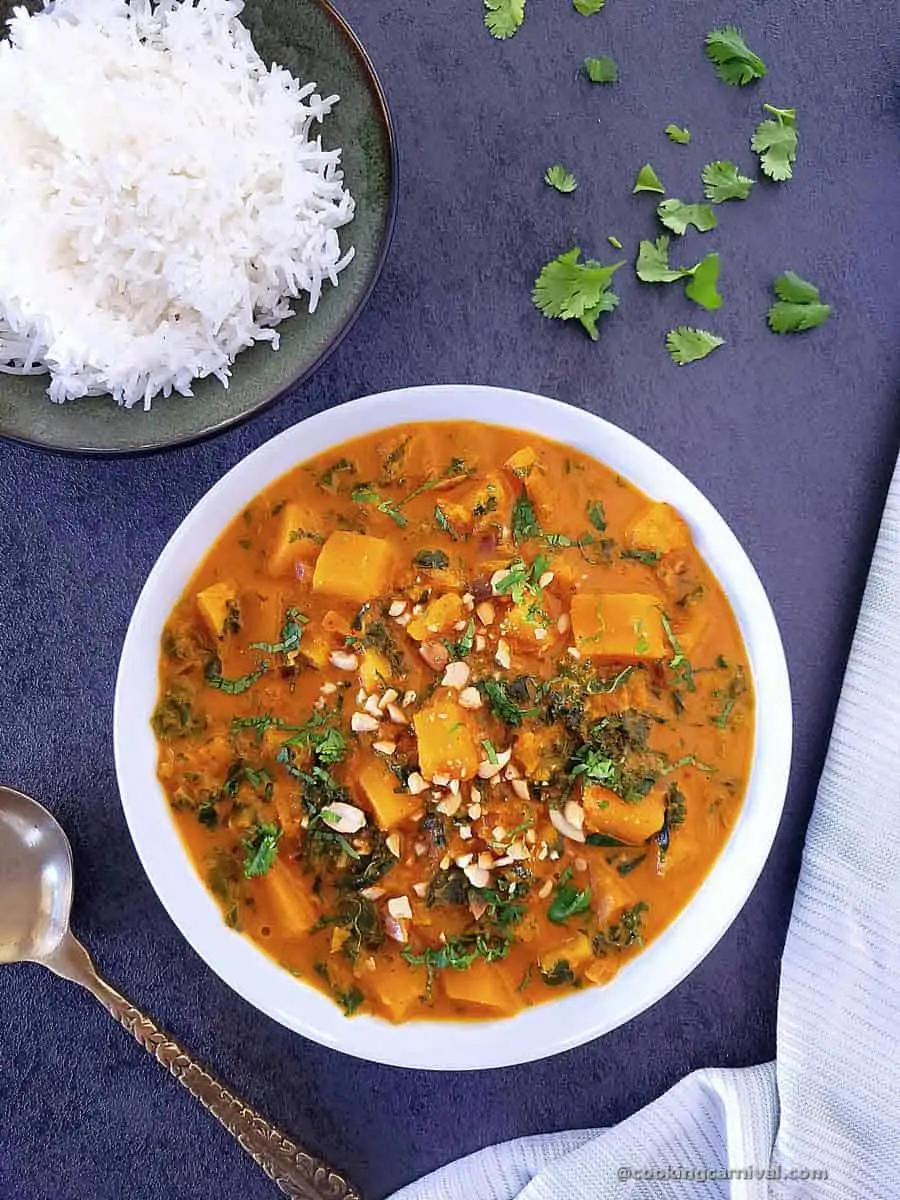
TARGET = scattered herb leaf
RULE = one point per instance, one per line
(776, 143)
(688, 345)
(503, 17)
(601, 70)
(647, 180)
(677, 134)
(735, 62)
(723, 181)
(560, 179)
(677, 216)
(799, 306)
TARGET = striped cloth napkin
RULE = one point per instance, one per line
(830, 1102)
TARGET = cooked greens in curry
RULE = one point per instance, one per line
(453, 721)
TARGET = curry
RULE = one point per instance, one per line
(453, 720)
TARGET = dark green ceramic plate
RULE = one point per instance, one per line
(314, 42)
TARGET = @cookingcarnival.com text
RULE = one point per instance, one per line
(708, 1174)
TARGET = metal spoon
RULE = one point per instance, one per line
(35, 901)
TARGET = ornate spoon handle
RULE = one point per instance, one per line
(296, 1173)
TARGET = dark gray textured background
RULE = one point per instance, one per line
(792, 438)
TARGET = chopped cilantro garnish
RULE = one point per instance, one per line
(560, 179)
(212, 673)
(588, 8)
(648, 557)
(569, 900)
(735, 62)
(503, 17)
(647, 181)
(596, 514)
(567, 289)
(560, 973)
(443, 522)
(723, 181)
(490, 751)
(432, 560)
(524, 523)
(677, 134)
(652, 266)
(701, 286)
(799, 306)
(677, 216)
(688, 345)
(365, 494)
(261, 849)
(776, 143)
(291, 634)
(601, 70)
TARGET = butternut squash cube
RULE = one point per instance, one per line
(532, 628)
(399, 987)
(521, 464)
(218, 605)
(290, 544)
(482, 985)
(315, 649)
(632, 823)
(335, 622)
(439, 617)
(618, 625)
(446, 740)
(660, 528)
(541, 751)
(577, 951)
(374, 670)
(389, 806)
(353, 566)
(294, 910)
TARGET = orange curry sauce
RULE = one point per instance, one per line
(453, 720)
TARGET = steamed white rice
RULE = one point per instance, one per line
(161, 198)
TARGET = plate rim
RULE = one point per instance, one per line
(543, 1030)
(232, 422)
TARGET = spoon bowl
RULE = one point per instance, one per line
(36, 874)
(35, 879)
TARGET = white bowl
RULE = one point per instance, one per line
(548, 1028)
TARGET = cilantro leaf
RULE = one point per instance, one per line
(212, 673)
(503, 17)
(652, 264)
(607, 302)
(596, 514)
(701, 287)
(561, 179)
(677, 216)
(680, 135)
(722, 181)
(687, 345)
(587, 8)
(735, 62)
(776, 143)
(602, 69)
(567, 289)
(799, 306)
(523, 522)
(432, 560)
(569, 900)
(647, 181)
(261, 849)
(795, 290)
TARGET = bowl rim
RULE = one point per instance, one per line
(281, 389)
(575, 1018)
